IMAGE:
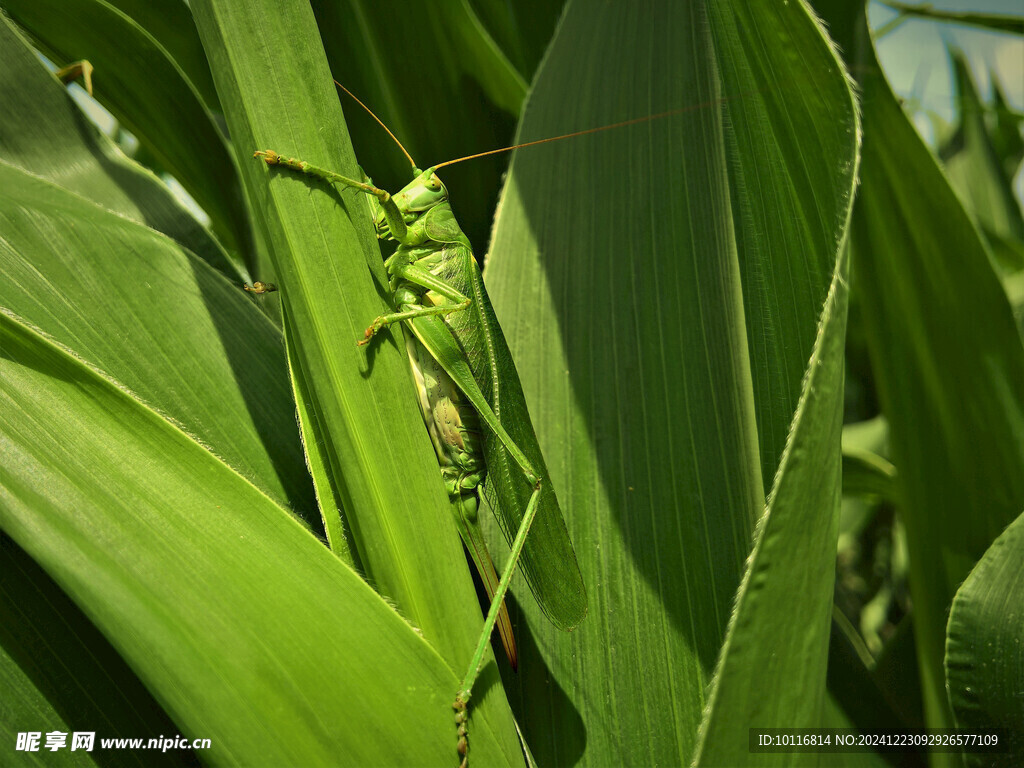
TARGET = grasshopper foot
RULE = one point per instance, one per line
(257, 287)
(270, 157)
(461, 718)
(77, 69)
(380, 322)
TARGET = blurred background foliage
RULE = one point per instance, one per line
(922, 359)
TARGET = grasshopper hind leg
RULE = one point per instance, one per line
(461, 703)
(465, 508)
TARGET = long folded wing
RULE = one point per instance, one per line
(491, 383)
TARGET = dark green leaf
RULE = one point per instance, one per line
(43, 132)
(865, 691)
(170, 24)
(58, 673)
(984, 656)
(660, 287)
(522, 29)
(946, 353)
(171, 330)
(438, 80)
(868, 473)
(150, 95)
(1006, 134)
(1000, 22)
(276, 91)
(249, 632)
(973, 166)
(790, 605)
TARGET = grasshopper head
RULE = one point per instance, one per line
(416, 198)
(422, 193)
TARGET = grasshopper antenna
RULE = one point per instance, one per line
(623, 124)
(379, 121)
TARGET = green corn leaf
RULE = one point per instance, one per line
(170, 23)
(137, 81)
(975, 169)
(58, 673)
(947, 356)
(317, 445)
(868, 473)
(277, 94)
(173, 331)
(984, 658)
(806, 489)
(661, 287)
(1001, 22)
(215, 597)
(43, 132)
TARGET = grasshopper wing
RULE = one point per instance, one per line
(548, 559)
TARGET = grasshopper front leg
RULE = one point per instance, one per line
(397, 228)
(396, 223)
(411, 310)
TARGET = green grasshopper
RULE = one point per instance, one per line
(472, 403)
